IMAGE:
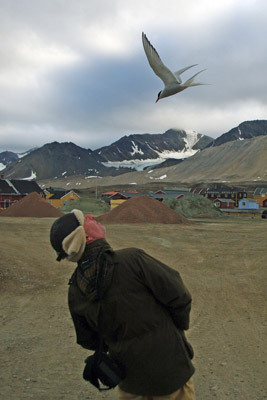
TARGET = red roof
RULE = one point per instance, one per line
(108, 193)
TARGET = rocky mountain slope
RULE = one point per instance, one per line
(153, 148)
(162, 152)
(134, 151)
(55, 160)
(245, 130)
(235, 161)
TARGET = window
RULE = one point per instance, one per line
(243, 203)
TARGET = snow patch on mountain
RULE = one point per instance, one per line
(2, 166)
(135, 149)
(190, 141)
(140, 165)
(32, 176)
(21, 155)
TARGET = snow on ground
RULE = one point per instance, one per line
(2, 166)
(162, 177)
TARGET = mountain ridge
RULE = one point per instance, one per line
(139, 151)
(54, 159)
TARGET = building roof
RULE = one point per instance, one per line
(127, 195)
(26, 187)
(198, 190)
(167, 195)
(259, 191)
(225, 189)
(16, 186)
(59, 194)
(224, 200)
(248, 200)
(51, 189)
(108, 193)
(5, 188)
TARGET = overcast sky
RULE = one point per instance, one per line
(76, 71)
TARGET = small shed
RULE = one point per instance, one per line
(248, 204)
(224, 203)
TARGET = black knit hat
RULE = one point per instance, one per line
(67, 236)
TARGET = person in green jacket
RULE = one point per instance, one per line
(145, 308)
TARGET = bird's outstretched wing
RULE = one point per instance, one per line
(180, 71)
(156, 64)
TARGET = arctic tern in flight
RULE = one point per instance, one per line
(172, 80)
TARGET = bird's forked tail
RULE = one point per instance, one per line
(191, 82)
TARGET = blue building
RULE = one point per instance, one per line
(248, 204)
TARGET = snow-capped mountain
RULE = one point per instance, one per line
(140, 151)
(8, 157)
(57, 160)
(134, 152)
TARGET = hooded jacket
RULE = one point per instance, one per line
(145, 312)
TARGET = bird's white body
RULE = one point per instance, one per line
(172, 80)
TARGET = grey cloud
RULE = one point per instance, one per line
(72, 101)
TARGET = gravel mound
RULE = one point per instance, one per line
(143, 209)
(32, 205)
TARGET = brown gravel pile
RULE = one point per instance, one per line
(143, 209)
(32, 205)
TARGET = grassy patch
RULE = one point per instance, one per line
(87, 205)
(193, 205)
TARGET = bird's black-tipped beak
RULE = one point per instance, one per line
(157, 100)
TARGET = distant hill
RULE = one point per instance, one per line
(56, 160)
(246, 130)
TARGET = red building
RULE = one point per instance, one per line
(14, 190)
(224, 203)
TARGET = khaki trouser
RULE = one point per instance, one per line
(186, 392)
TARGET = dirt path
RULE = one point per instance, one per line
(222, 262)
